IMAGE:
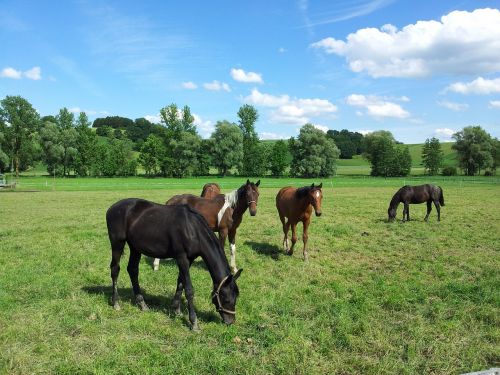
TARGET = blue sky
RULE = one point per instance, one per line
(418, 69)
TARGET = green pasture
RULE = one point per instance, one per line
(375, 297)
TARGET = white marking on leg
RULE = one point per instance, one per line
(233, 256)
(156, 264)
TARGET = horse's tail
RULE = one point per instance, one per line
(441, 197)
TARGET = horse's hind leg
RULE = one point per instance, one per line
(438, 209)
(176, 303)
(429, 209)
(116, 253)
(406, 210)
(133, 271)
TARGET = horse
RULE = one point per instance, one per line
(297, 205)
(416, 194)
(177, 232)
(223, 213)
(210, 190)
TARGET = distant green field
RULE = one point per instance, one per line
(374, 298)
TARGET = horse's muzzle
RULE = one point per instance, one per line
(318, 213)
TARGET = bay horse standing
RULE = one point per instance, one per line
(416, 194)
(177, 232)
(210, 190)
(296, 205)
(224, 213)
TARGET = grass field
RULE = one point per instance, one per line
(375, 298)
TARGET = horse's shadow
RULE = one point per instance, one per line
(264, 248)
(154, 302)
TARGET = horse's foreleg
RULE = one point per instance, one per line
(156, 264)
(222, 237)
(305, 237)
(438, 209)
(232, 249)
(133, 271)
(294, 238)
(406, 211)
(176, 303)
(286, 227)
(116, 254)
(429, 209)
(184, 264)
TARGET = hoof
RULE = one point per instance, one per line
(143, 306)
(156, 268)
(116, 306)
(177, 310)
(289, 252)
(235, 270)
(306, 258)
(195, 327)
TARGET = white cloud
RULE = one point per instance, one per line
(377, 107)
(248, 77)
(460, 43)
(288, 110)
(323, 128)
(34, 73)
(205, 127)
(444, 133)
(479, 86)
(267, 135)
(281, 50)
(365, 132)
(189, 85)
(454, 106)
(217, 86)
(155, 119)
(11, 73)
(75, 110)
(494, 103)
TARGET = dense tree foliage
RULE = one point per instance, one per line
(432, 156)
(387, 158)
(349, 143)
(313, 153)
(475, 149)
(20, 124)
(254, 162)
(227, 147)
(279, 158)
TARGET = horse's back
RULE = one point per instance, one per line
(119, 214)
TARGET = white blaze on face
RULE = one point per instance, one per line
(317, 194)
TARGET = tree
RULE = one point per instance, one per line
(67, 138)
(53, 151)
(227, 143)
(495, 153)
(387, 158)
(65, 119)
(349, 143)
(313, 153)
(432, 156)
(86, 146)
(279, 158)
(204, 158)
(185, 150)
(21, 123)
(474, 148)
(253, 154)
(4, 159)
(115, 159)
(151, 156)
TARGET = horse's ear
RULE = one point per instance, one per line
(237, 274)
(248, 181)
(257, 183)
(320, 185)
(312, 185)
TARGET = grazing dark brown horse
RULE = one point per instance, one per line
(297, 205)
(177, 232)
(416, 194)
(210, 190)
(223, 213)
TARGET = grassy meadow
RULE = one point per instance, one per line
(374, 298)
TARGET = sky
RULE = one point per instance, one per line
(419, 69)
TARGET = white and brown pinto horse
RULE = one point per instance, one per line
(223, 213)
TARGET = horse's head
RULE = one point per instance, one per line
(391, 212)
(250, 192)
(224, 297)
(316, 196)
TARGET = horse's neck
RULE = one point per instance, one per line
(304, 202)
(216, 263)
(238, 204)
(396, 199)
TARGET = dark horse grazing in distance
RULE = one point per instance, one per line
(416, 194)
(297, 205)
(177, 232)
(210, 190)
(223, 213)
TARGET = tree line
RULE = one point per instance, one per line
(71, 145)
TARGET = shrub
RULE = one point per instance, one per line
(449, 171)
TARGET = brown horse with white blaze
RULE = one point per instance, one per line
(295, 205)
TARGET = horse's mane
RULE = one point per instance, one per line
(232, 197)
(303, 191)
